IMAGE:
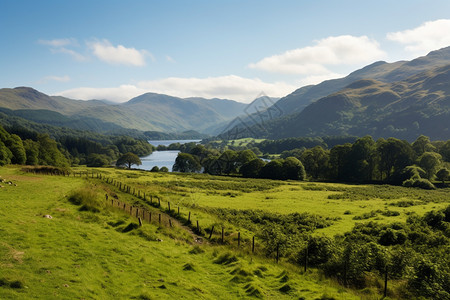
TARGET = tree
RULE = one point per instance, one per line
(315, 161)
(340, 162)
(362, 159)
(164, 169)
(430, 161)
(273, 169)
(422, 144)
(293, 169)
(186, 162)
(31, 151)
(443, 174)
(49, 153)
(15, 144)
(245, 156)
(394, 156)
(228, 162)
(128, 159)
(97, 160)
(252, 168)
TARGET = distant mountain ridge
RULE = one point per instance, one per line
(147, 112)
(404, 109)
(359, 103)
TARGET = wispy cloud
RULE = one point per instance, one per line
(59, 42)
(46, 79)
(228, 87)
(429, 36)
(119, 54)
(314, 60)
(63, 46)
(170, 59)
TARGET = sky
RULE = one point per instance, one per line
(117, 50)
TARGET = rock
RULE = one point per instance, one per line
(48, 216)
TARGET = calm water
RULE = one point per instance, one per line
(162, 158)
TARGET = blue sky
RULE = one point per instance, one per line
(228, 49)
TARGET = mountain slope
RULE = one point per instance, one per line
(148, 112)
(417, 105)
(382, 71)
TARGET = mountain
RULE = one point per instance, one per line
(382, 71)
(148, 112)
(405, 109)
(290, 107)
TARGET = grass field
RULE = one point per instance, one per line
(80, 254)
(343, 203)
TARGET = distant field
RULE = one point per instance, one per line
(80, 254)
(345, 203)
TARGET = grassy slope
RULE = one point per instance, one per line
(85, 255)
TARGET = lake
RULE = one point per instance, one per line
(162, 158)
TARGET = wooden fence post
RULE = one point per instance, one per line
(137, 212)
(178, 210)
(210, 234)
(140, 221)
(198, 227)
(160, 219)
(189, 217)
(253, 244)
(170, 222)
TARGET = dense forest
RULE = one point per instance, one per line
(389, 160)
(19, 145)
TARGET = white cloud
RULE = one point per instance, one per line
(228, 87)
(59, 42)
(313, 60)
(105, 51)
(46, 79)
(74, 54)
(429, 36)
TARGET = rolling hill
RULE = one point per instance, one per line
(148, 112)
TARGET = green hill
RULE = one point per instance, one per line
(148, 112)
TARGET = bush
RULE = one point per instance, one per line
(419, 182)
(155, 169)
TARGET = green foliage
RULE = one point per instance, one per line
(187, 163)
(128, 159)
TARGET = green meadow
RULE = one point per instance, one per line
(90, 250)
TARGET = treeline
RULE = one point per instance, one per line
(245, 162)
(23, 146)
(365, 160)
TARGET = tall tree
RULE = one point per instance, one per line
(186, 162)
(430, 161)
(128, 159)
